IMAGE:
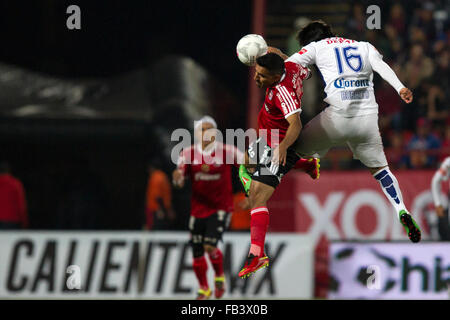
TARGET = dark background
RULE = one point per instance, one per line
(116, 37)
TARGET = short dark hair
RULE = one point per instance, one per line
(272, 62)
(314, 31)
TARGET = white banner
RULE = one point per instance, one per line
(144, 265)
(390, 270)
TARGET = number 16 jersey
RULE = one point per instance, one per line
(347, 69)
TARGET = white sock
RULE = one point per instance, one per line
(390, 187)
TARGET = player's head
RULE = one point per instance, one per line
(269, 69)
(155, 163)
(314, 31)
(204, 130)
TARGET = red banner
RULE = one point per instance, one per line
(348, 205)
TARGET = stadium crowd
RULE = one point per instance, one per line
(413, 40)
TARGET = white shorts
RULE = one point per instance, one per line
(329, 129)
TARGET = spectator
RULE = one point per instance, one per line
(396, 43)
(390, 107)
(396, 150)
(418, 68)
(159, 212)
(13, 207)
(423, 146)
(356, 24)
(423, 20)
(397, 19)
(438, 94)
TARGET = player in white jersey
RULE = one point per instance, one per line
(352, 115)
(442, 174)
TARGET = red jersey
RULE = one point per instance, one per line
(210, 173)
(13, 206)
(281, 101)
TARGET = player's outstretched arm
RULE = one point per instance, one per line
(406, 95)
(385, 71)
(292, 133)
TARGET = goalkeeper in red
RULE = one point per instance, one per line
(271, 156)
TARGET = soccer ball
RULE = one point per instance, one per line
(251, 47)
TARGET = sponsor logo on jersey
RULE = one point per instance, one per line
(302, 51)
(355, 94)
(270, 95)
(267, 108)
(341, 83)
(206, 176)
(295, 81)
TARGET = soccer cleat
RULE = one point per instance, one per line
(245, 178)
(411, 227)
(219, 290)
(314, 172)
(253, 264)
(203, 294)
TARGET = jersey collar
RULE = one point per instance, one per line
(281, 80)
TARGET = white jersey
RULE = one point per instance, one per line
(347, 68)
(441, 175)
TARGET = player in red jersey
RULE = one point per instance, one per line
(205, 164)
(274, 155)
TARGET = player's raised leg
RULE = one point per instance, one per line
(259, 194)
(367, 146)
(391, 189)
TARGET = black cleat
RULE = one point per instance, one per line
(411, 227)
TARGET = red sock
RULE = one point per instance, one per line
(216, 258)
(200, 267)
(259, 224)
(303, 164)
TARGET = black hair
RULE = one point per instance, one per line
(156, 162)
(314, 31)
(272, 62)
